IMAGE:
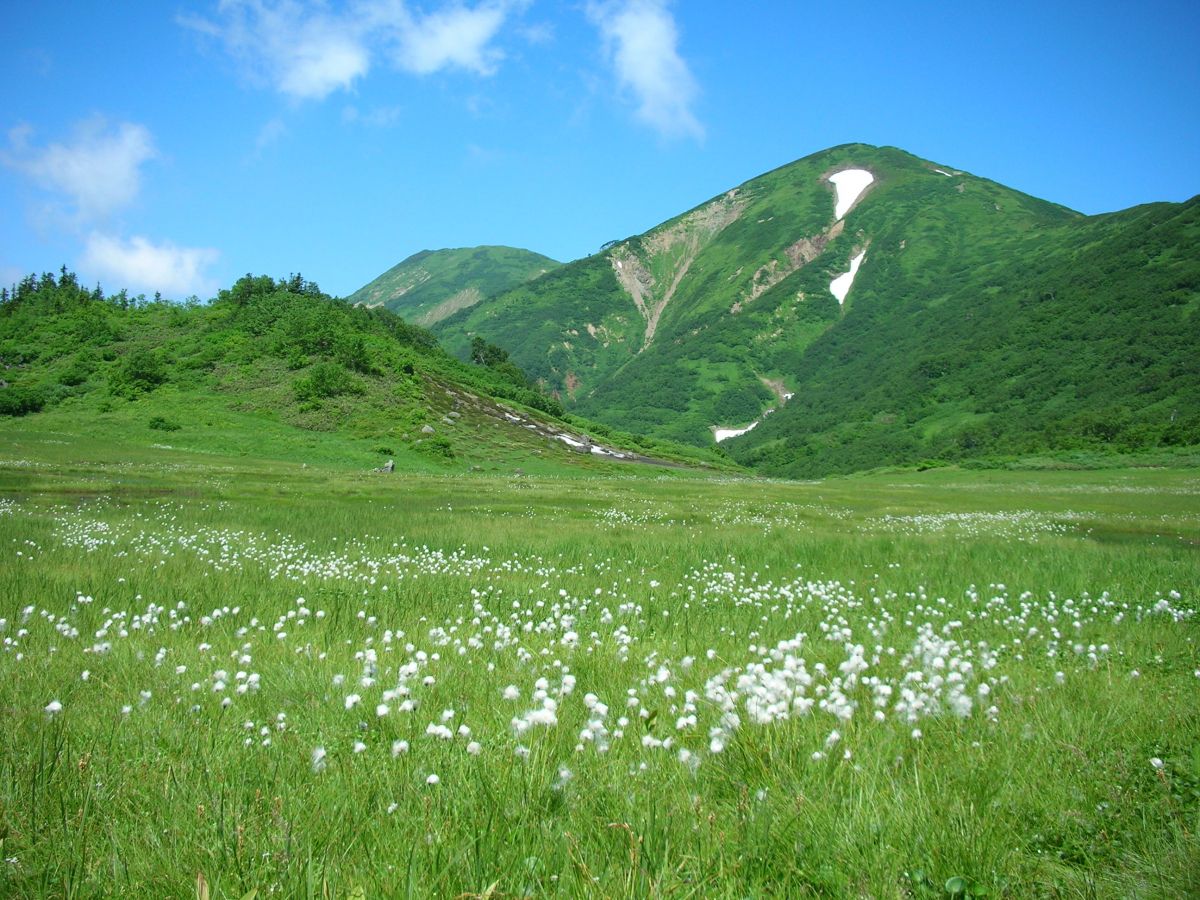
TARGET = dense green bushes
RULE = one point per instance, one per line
(18, 401)
(56, 338)
(139, 371)
(325, 380)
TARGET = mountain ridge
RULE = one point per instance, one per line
(430, 285)
(678, 332)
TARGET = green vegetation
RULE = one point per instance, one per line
(984, 323)
(534, 655)
(433, 284)
(275, 369)
(232, 672)
(1080, 336)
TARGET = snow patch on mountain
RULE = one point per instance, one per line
(840, 286)
(849, 184)
(723, 434)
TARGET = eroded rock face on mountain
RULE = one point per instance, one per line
(796, 256)
(670, 251)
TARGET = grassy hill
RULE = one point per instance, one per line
(279, 370)
(725, 313)
(433, 284)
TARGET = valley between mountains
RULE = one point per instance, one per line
(474, 585)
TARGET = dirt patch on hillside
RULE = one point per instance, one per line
(796, 256)
(670, 250)
(465, 298)
(778, 388)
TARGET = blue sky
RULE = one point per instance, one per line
(174, 147)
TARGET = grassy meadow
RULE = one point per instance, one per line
(224, 677)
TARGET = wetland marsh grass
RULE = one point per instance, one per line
(305, 682)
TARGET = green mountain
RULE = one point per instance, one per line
(972, 319)
(277, 369)
(1083, 335)
(433, 284)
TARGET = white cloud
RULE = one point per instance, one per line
(454, 37)
(98, 171)
(320, 63)
(307, 51)
(96, 175)
(139, 264)
(641, 38)
(301, 50)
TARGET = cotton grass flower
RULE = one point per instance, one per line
(319, 760)
(53, 708)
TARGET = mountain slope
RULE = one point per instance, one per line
(794, 292)
(687, 326)
(431, 285)
(1074, 336)
(277, 370)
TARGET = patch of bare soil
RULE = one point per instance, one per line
(796, 256)
(448, 307)
(681, 243)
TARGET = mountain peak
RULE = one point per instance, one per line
(784, 303)
(433, 284)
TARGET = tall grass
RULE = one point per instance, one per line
(1084, 781)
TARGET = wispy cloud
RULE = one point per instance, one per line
(90, 179)
(641, 40)
(307, 51)
(375, 117)
(302, 51)
(97, 172)
(538, 33)
(456, 37)
(142, 264)
(272, 131)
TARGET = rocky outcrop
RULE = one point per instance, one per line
(670, 250)
(796, 257)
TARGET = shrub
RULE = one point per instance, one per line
(16, 401)
(436, 446)
(158, 423)
(326, 380)
(139, 372)
(77, 374)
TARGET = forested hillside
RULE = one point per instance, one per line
(1082, 335)
(270, 368)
